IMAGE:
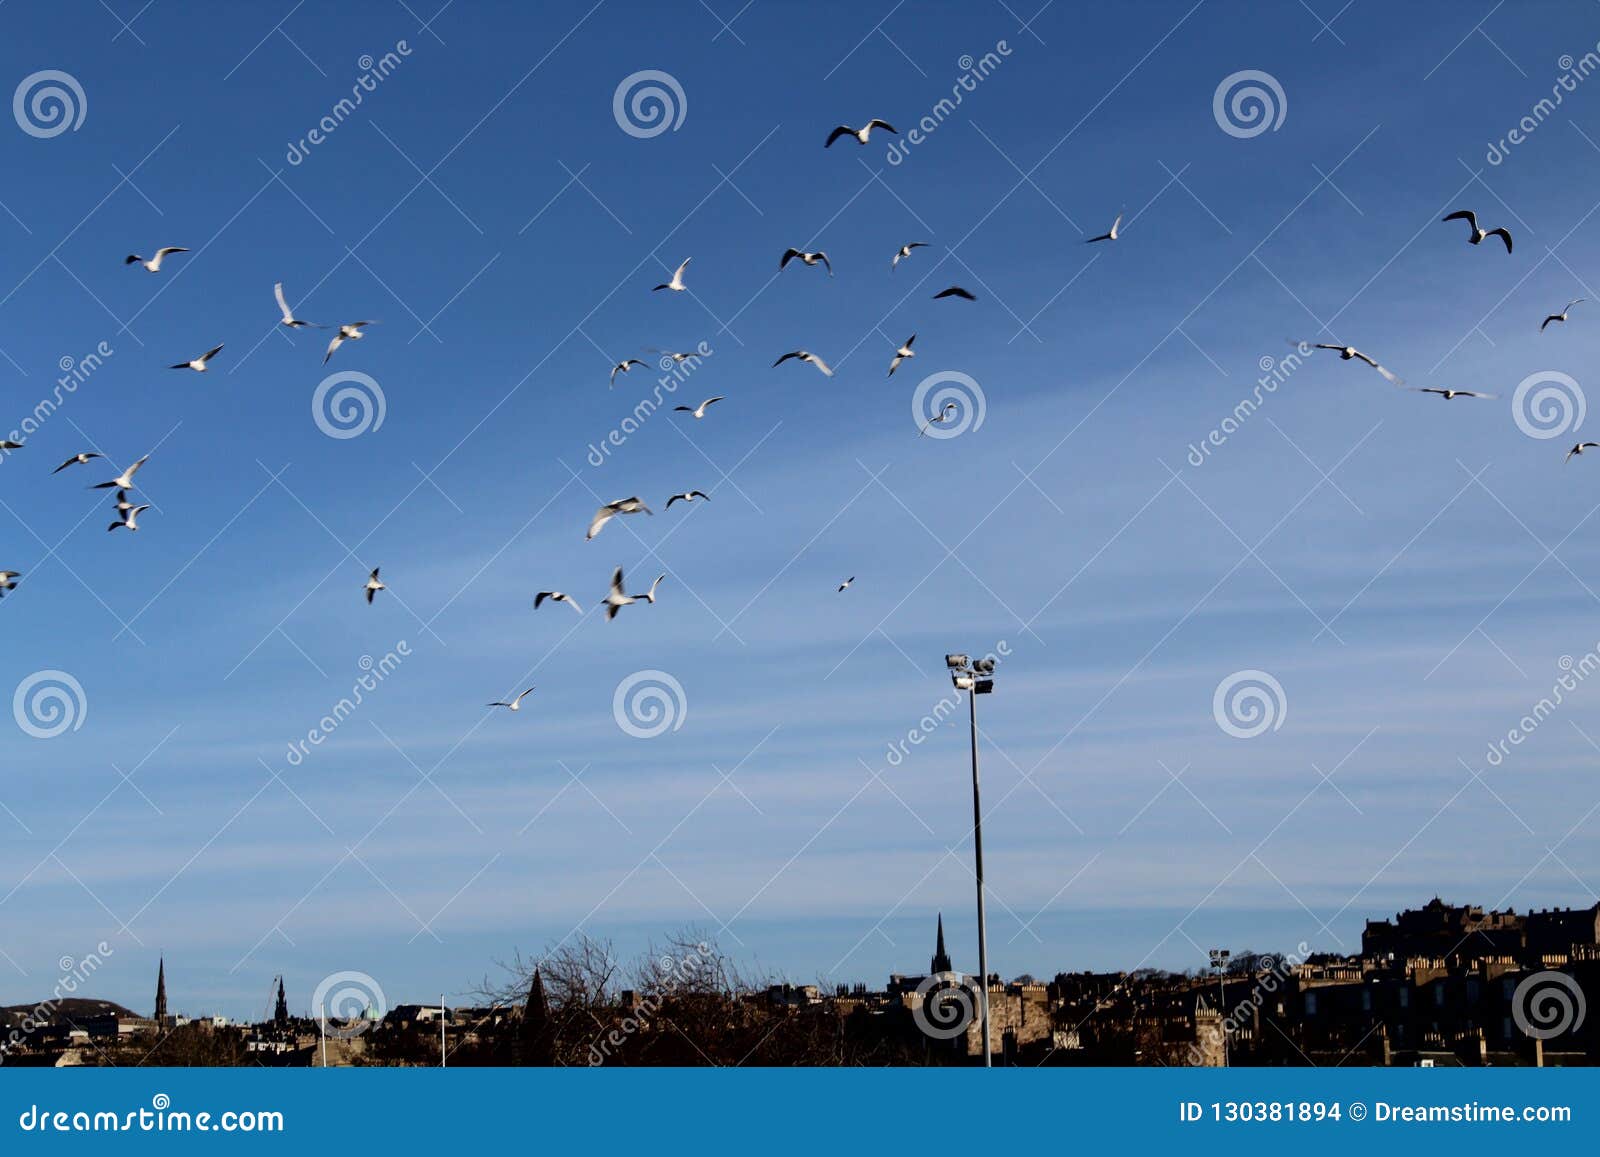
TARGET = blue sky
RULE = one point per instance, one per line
(1410, 571)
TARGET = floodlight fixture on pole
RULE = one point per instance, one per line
(975, 678)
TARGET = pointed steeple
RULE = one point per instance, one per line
(536, 1007)
(280, 1014)
(161, 992)
(534, 1043)
(941, 958)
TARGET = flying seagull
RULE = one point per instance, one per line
(1347, 352)
(77, 460)
(902, 354)
(130, 517)
(700, 410)
(373, 585)
(123, 505)
(611, 509)
(556, 597)
(649, 596)
(515, 704)
(1579, 449)
(942, 416)
(351, 332)
(8, 581)
(846, 583)
(289, 319)
(686, 496)
(615, 600)
(1562, 316)
(123, 481)
(1111, 236)
(154, 264)
(8, 444)
(679, 357)
(1448, 394)
(905, 251)
(199, 363)
(623, 367)
(676, 284)
(955, 291)
(1478, 234)
(806, 259)
(805, 356)
(861, 134)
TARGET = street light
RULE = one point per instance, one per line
(1219, 964)
(974, 679)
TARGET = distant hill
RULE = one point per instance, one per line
(71, 1008)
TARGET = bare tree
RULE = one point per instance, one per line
(686, 1001)
(580, 978)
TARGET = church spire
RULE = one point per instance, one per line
(161, 992)
(941, 959)
(535, 1045)
(280, 1014)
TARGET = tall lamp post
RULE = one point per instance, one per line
(976, 678)
(1219, 963)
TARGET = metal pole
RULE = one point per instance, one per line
(977, 848)
(1222, 1010)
